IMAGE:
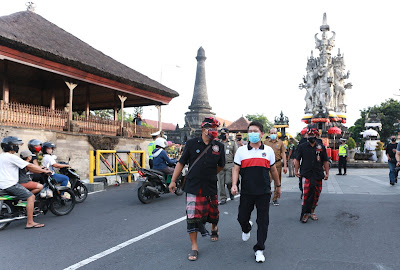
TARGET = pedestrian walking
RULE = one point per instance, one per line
(343, 156)
(391, 155)
(225, 176)
(280, 158)
(313, 161)
(206, 158)
(254, 162)
(291, 156)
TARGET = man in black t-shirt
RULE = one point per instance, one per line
(313, 161)
(201, 182)
(391, 155)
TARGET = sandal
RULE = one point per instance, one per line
(313, 216)
(305, 217)
(214, 235)
(193, 255)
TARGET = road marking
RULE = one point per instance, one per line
(124, 244)
(93, 192)
(374, 180)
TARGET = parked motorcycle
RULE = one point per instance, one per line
(77, 186)
(11, 209)
(154, 184)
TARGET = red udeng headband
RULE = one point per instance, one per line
(210, 122)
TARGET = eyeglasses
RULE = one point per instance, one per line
(211, 129)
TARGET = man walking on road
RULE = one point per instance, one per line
(254, 162)
(206, 158)
(225, 176)
(391, 155)
(280, 158)
(343, 156)
(313, 161)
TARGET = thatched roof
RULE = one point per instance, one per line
(30, 33)
(239, 125)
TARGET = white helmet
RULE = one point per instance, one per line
(161, 142)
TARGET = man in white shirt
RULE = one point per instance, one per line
(9, 176)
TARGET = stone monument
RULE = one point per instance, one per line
(199, 108)
(325, 83)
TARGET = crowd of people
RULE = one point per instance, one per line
(218, 163)
(21, 176)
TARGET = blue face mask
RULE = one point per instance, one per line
(254, 137)
(273, 136)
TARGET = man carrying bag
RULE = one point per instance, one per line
(206, 158)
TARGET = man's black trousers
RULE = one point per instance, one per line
(246, 206)
(342, 164)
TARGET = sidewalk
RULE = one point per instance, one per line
(357, 181)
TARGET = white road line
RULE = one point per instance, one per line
(122, 245)
(93, 192)
(126, 243)
(374, 180)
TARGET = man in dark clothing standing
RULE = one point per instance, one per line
(313, 161)
(201, 182)
(391, 155)
(254, 162)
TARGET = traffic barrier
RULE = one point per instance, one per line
(117, 165)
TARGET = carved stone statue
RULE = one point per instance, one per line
(325, 80)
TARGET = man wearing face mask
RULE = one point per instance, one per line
(239, 140)
(391, 155)
(343, 156)
(225, 176)
(313, 161)
(206, 158)
(254, 162)
(280, 158)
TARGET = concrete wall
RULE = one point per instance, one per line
(74, 146)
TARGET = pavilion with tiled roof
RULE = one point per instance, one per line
(240, 125)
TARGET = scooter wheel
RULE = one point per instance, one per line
(144, 195)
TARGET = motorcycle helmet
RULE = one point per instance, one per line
(161, 142)
(47, 145)
(11, 143)
(35, 145)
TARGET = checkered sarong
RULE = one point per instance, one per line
(311, 192)
(199, 210)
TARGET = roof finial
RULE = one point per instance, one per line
(30, 6)
(324, 19)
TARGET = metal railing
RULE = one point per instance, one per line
(102, 165)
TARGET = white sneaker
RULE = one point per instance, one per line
(246, 236)
(260, 258)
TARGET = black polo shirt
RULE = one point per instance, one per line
(204, 174)
(310, 166)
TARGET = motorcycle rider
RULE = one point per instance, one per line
(25, 178)
(35, 146)
(160, 157)
(49, 161)
(9, 176)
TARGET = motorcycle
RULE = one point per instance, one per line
(154, 183)
(49, 198)
(77, 186)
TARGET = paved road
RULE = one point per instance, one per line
(358, 229)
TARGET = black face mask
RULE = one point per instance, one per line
(312, 139)
(393, 139)
(223, 137)
(239, 139)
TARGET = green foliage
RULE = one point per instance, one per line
(351, 143)
(389, 112)
(262, 119)
(379, 146)
(109, 114)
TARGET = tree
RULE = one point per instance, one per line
(389, 112)
(262, 119)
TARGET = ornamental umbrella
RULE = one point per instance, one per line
(335, 131)
(369, 133)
